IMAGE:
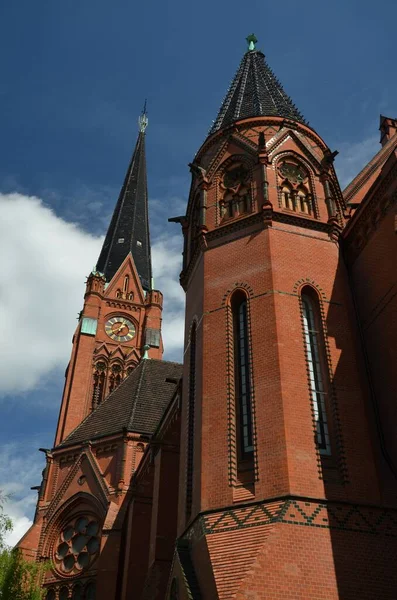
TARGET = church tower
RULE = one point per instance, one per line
(121, 312)
(116, 389)
(278, 463)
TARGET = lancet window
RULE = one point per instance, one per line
(124, 293)
(105, 380)
(190, 424)
(99, 383)
(115, 377)
(317, 368)
(295, 188)
(242, 375)
(235, 192)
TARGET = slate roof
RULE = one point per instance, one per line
(137, 405)
(130, 222)
(255, 91)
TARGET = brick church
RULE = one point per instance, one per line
(265, 465)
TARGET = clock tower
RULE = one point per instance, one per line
(121, 315)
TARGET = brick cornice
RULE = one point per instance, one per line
(368, 216)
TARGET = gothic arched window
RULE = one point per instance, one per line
(287, 197)
(295, 193)
(317, 369)
(235, 199)
(89, 592)
(77, 593)
(116, 377)
(242, 375)
(64, 593)
(190, 421)
(99, 383)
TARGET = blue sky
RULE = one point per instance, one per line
(74, 79)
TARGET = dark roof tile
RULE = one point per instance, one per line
(137, 405)
(255, 91)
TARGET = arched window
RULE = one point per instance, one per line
(89, 592)
(116, 377)
(303, 200)
(190, 419)
(287, 197)
(242, 375)
(235, 192)
(50, 595)
(77, 592)
(125, 286)
(64, 593)
(295, 194)
(99, 383)
(316, 359)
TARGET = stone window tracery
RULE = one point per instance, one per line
(235, 192)
(116, 376)
(295, 188)
(99, 383)
(77, 546)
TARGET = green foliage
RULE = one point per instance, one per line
(19, 579)
(5, 522)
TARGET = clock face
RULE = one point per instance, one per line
(120, 329)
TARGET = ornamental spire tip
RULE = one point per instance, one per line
(143, 120)
(251, 41)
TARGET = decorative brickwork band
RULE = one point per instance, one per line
(298, 511)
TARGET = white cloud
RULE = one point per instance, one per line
(18, 472)
(167, 264)
(353, 157)
(45, 261)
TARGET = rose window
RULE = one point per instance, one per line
(77, 546)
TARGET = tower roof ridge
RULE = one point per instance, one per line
(255, 91)
(129, 227)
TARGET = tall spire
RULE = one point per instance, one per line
(129, 227)
(255, 91)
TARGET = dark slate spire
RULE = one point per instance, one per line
(129, 227)
(255, 91)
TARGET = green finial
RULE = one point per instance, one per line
(251, 40)
(143, 120)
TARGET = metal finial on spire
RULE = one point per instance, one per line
(143, 120)
(251, 41)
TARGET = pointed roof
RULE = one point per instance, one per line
(136, 405)
(129, 227)
(358, 187)
(255, 92)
